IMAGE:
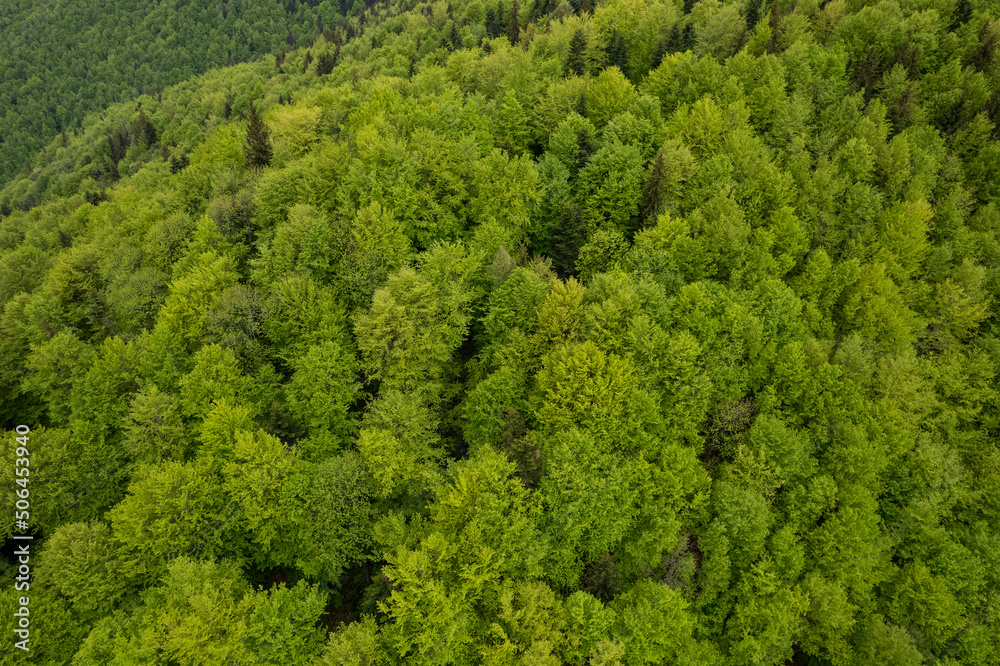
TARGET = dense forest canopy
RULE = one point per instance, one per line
(64, 60)
(628, 332)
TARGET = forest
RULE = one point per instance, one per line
(64, 60)
(520, 334)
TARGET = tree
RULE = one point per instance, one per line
(54, 367)
(654, 625)
(300, 312)
(82, 561)
(408, 336)
(513, 24)
(610, 189)
(356, 644)
(609, 94)
(962, 15)
(181, 320)
(481, 532)
(153, 430)
(215, 376)
(321, 394)
(205, 613)
(512, 123)
(492, 22)
(652, 192)
(617, 53)
(575, 63)
(175, 509)
(590, 496)
(301, 244)
(336, 519)
(255, 482)
(258, 142)
(325, 62)
(588, 628)
(400, 444)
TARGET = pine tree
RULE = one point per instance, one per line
(869, 71)
(308, 61)
(492, 23)
(753, 14)
(324, 64)
(653, 191)
(963, 13)
(576, 64)
(454, 38)
(617, 53)
(586, 145)
(774, 21)
(581, 104)
(602, 578)
(662, 49)
(568, 236)
(687, 37)
(513, 24)
(142, 130)
(258, 146)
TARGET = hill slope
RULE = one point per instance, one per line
(640, 333)
(63, 60)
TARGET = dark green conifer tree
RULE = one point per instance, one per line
(575, 63)
(652, 193)
(142, 130)
(753, 14)
(513, 24)
(492, 23)
(617, 53)
(258, 146)
(454, 38)
(963, 12)
(324, 64)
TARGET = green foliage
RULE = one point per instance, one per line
(254, 482)
(336, 518)
(357, 644)
(88, 59)
(82, 561)
(154, 430)
(608, 333)
(609, 94)
(204, 613)
(175, 509)
(320, 393)
(54, 367)
(409, 335)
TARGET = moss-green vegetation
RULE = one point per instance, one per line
(64, 60)
(636, 333)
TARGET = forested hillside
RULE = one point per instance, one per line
(629, 332)
(63, 60)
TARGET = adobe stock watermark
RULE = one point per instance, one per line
(22, 582)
